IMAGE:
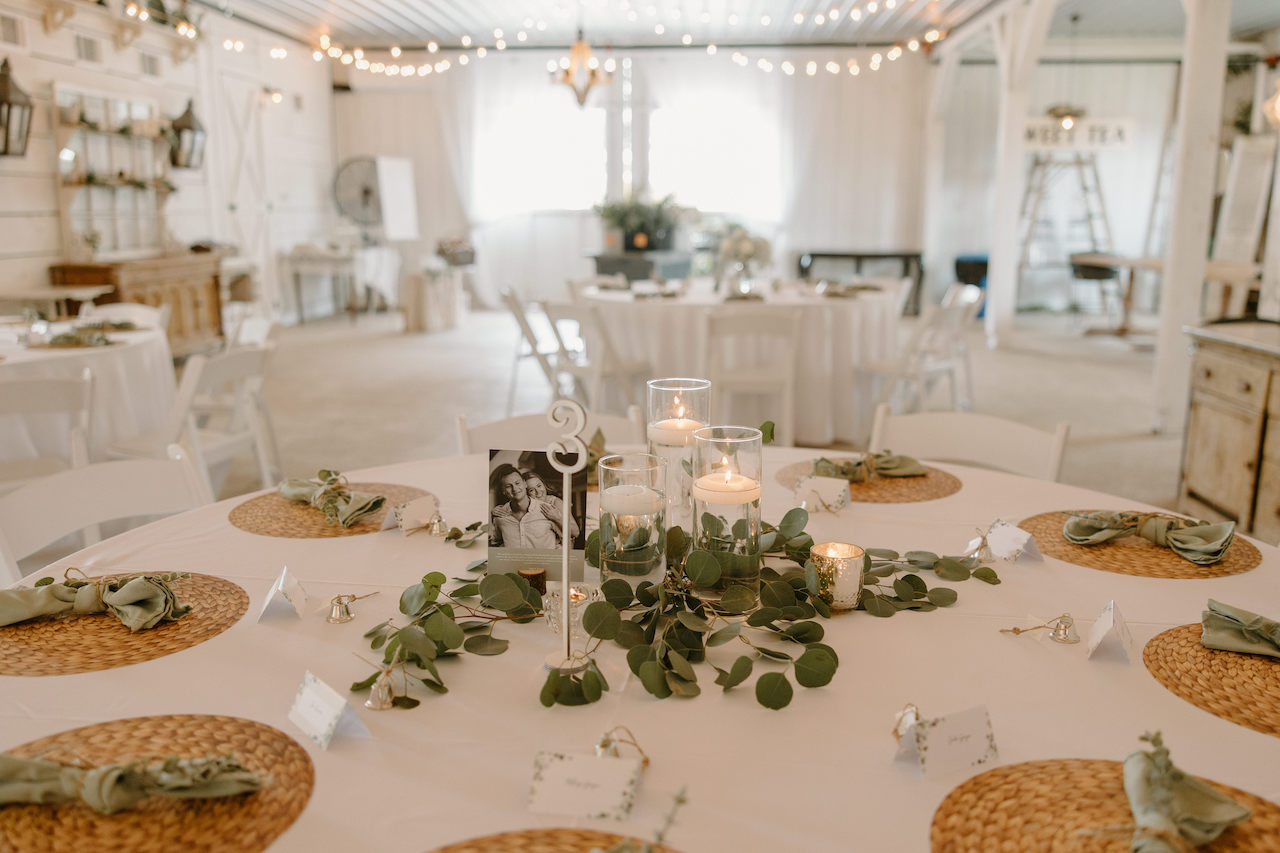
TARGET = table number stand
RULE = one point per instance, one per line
(571, 419)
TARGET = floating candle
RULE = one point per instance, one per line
(631, 500)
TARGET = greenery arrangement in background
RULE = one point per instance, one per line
(656, 220)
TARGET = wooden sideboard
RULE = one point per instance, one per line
(1231, 457)
(187, 283)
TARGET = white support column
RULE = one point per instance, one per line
(935, 254)
(1019, 36)
(1199, 117)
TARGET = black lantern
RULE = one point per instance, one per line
(187, 145)
(15, 115)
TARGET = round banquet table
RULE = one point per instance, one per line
(133, 390)
(837, 334)
(812, 776)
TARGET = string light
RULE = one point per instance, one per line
(276, 52)
(432, 47)
(466, 41)
(395, 51)
(317, 55)
(686, 39)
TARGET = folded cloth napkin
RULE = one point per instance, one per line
(329, 493)
(1197, 541)
(114, 787)
(886, 464)
(1234, 630)
(139, 602)
(1171, 809)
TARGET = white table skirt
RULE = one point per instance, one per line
(814, 776)
(133, 391)
(838, 334)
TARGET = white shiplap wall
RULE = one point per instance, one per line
(296, 141)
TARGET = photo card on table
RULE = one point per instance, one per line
(526, 507)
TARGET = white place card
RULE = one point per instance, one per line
(413, 515)
(322, 712)
(581, 784)
(822, 494)
(1005, 541)
(1111, 633)
(945, 744)
(286, 597)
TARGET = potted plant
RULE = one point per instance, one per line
(645, 226)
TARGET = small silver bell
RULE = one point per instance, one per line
(340, 609)
(1063, 630)
(382, 693)
(437, 526)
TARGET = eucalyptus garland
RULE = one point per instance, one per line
(666, 628)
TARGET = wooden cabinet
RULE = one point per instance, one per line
(187, 284)
(1231, 459)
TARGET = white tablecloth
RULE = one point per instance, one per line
(838, 334)
(133, 389)
(818, 775)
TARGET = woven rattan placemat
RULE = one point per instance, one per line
(1043, 806)
(1134, 555)
(273, 514)
(882, 490)
(63, 645)
(247, 822)
(540, 841)
(1244, 689)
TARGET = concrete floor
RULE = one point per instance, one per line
(348, 396)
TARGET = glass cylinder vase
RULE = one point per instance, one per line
(633, 533)
(727, 476)
(677, 407)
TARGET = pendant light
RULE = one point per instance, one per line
(1066, 114)
(15, 115)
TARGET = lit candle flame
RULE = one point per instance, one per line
(680, 412)
(728, 469)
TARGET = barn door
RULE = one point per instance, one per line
(246, 215)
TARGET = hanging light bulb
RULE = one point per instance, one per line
(580, 71)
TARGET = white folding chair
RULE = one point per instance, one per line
(529, 346)
(598, 361)
(534, 432)
(253, 330)
(38, 399)
(47, 509)
(238, 375)
(968, 437)
(143, 315)
(773, 334)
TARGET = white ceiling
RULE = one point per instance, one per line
(413, 23)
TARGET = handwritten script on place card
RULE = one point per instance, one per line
(954, 742)
(584, 785)
(321, 712)
(1005, 541)
(1111, 625)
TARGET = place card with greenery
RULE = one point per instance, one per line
(666, 628)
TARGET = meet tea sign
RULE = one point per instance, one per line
(1046, 134)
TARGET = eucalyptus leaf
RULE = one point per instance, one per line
(737, 599)
(815, 668)
(987, 574)
(500, 592)
(682, 686)
(793, 523)
(769, 541)
(357, 686)
(777, 594)
(639, 538)
(882, 554)
(600, 619)
(878, 605)
(478, 565)
(592, 555)
(725, 634)
(950, 569)
(617, 592)
(821, 607)
(677, 544)
(766, 432)
(485, 644)
(773, 654)
(629, 634)
(702, 568)
(637, 655)
(570, 691)
(413, 600)
(550, 689)
(466, 590)
(905, 590)
(693, 621)
(811, 577)
(405, 702)
(647, 593)
(591, 687)
(773, 691)
(738, 673)
(654, 679)
(805, 632)
(921, 558)
(434, 686)
(763, 616)
(942, 596)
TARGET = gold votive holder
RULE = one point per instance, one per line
(839, 567)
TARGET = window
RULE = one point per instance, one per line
(719, 155)
(544, 153)
(88, 49)
(9, 31)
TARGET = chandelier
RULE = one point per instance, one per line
(580, 70)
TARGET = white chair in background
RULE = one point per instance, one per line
(143, 315)
(577, 287)
(235, 375)
(934, 350)
(774, 333)
(968, 437)
(41, 397)
(47, 509)
(598, 361)
(253, 330)
(529, 346)
(534, 432)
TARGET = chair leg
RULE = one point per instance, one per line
(515, 376)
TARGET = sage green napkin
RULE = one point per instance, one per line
(1234, 630)
(1169, 805)
(1197, 541)
(595, 452)
(329, 493)
(114, 787)
(139, 602)
(886, 464)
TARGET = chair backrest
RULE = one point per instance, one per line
(969, 296)
(243, 368)
(254, 330)
(722, 327)
(533, 431)
(968, 437)
(47, 509)
(143, 315)
(516, 306)
(55, 397)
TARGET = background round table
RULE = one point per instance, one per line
(815, 775)
(133, 390)
(837, 334)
